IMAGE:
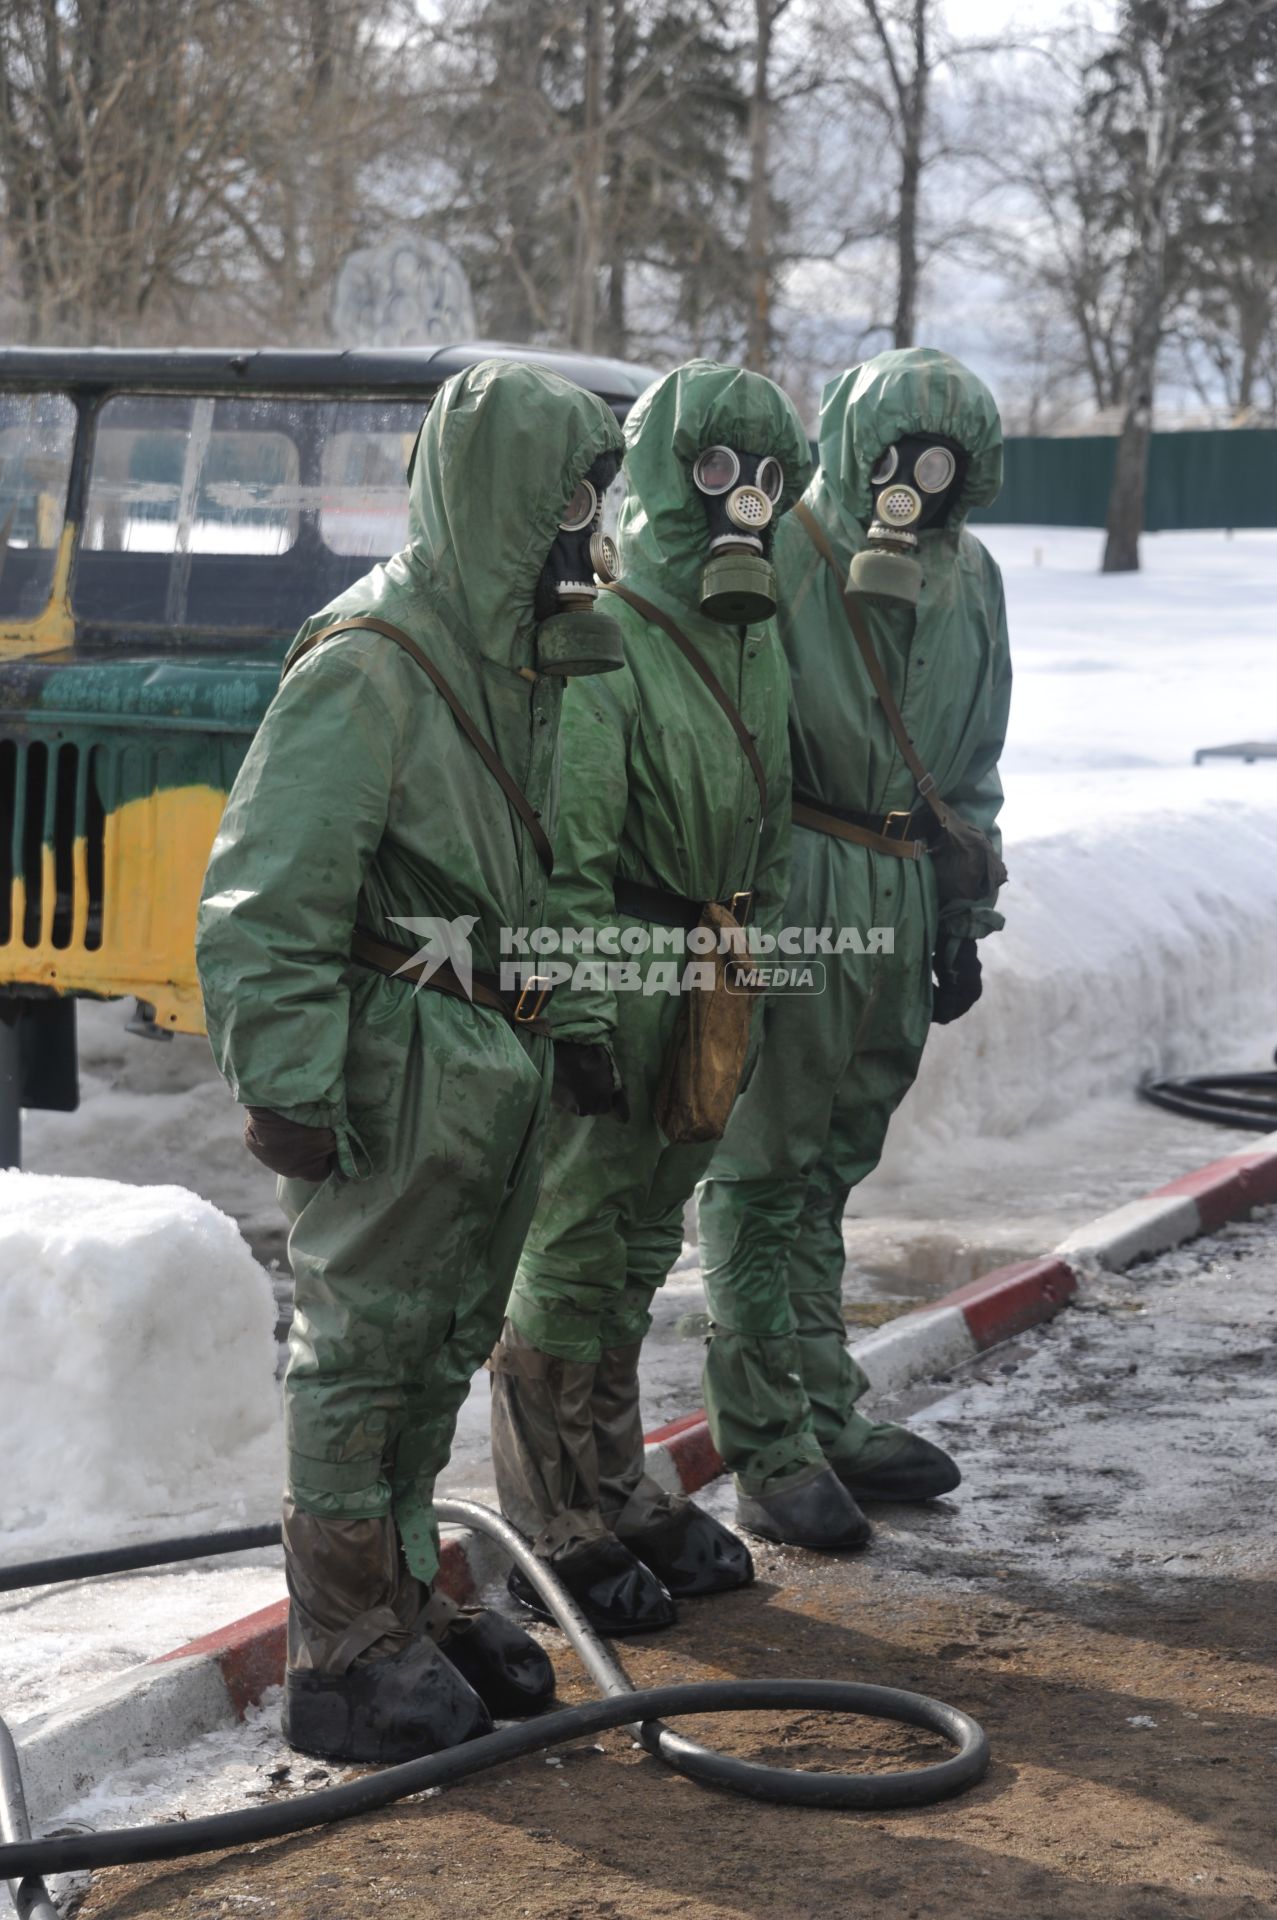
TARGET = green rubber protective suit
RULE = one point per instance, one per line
(780, 1386)
(361, 802)
(656, 790)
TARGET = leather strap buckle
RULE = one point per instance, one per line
(895, 826)
(539, 991)
(741, 905)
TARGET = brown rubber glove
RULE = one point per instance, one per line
(288, 1148)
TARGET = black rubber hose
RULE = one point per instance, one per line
(622, 1705)
(147, 1553)
(1244, 1100)
(916, 1787)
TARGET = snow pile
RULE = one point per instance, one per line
(137, 1363)
(1141, 914)
(1117, 961)
(156, 1113)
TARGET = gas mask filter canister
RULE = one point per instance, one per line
(740, 493)
(914, 483)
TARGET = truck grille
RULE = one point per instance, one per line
(52, 844)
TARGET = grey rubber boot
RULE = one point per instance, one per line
(546, 1460)
(508, 1669)
(364, 1682)
(884, 1462)
(817, 1512)
(543, 1452)
(687, 1550)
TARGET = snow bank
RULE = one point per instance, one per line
(1141, 931)
(136, 1364)
(1145, 943)
(156, 1113)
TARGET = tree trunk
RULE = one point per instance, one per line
(914, 105)
(758, 322)
(904, 321)
(1254, 309)
(617, 238)
(589, 186)
(1125, 519)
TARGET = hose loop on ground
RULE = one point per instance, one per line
(644, 1710)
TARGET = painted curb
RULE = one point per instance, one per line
(213, 1681)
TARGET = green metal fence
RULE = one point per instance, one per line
(1210, 479)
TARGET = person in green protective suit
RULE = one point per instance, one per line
(661, 814)
(368, 850)
(908, 443)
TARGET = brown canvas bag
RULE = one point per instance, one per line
(702, 1069)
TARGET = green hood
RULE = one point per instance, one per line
(662, 529)
(501, 452)
(909, 390)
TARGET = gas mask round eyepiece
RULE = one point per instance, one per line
(581, 511)
(740, 493)
(914, 483)
(934, 469)
(716, 469)
(771, 478)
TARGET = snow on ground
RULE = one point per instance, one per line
(1141, 935)
(60, 1641)
(137, 1371)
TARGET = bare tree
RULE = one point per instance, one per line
(759, 238)
(1167, 89)
(114, 150)
(172, 168)
(907, 56)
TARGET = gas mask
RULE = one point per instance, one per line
(572, 638)
(740, 493)
(581, 549)
(914, 484)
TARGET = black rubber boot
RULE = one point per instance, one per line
(898, 1465)
(399, 1707)
(613, 1589)
(691, 1553)
(819, 1513)
(511, 1674)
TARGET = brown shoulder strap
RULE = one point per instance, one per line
(873, 665)
(704, 671)
(506, 781)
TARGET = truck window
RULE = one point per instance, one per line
(238, 514)
(365, 498)
(36, 435)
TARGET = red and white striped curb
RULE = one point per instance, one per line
(213, 1681)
